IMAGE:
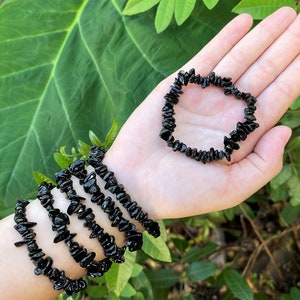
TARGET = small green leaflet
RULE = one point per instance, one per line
(210, 4)
(164, 14)
(183, 10)
(134, 7)
(156, 248)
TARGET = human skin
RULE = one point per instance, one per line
(264, 61)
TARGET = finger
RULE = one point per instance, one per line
(273, 61)
(251, 47)
(281, 93)
(259, 167)
(220, 45)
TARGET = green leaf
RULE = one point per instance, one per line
(119, 274)
(164, 15)
(200, 270)
(51, 95)
(39, 178)
(180, 243)
(94, 139)
(282, 177)
(83, 148)
(162, 278)
(156, 248)
(295, 293)
(294, 145)
(291, 118)
(62, 159)
(294, 191)
(296, 103)
(96, 291)
(289, 214)
(261, 9)
(210, 4)
(137, 269)
(134, 7)
(183, 10)
(128, 291)
(237, 284)
(111, 135)
(141, 283)
(229, 213)
(195, 253)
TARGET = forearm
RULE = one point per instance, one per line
(17, 269)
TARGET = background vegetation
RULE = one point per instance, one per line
(68, 69)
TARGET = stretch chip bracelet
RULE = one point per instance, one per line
(230, 143)
(134, 240)
(111, 250)
(61, 221)
(111, 184)
(43, 264)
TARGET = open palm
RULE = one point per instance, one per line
(264, 62)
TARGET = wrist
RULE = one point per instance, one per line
(91, 214)
(135, 179)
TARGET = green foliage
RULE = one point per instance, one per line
(200, 270)
(78, 65)
(64, 159)
(237, 285)
(260, 9)
(119, 274)
(182, 10)
(74, 67)
(134, 7)
(156, 248)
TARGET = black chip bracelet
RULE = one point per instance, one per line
(43, 265)
(230, 143)
(60, 221)
(134, 239)
(111, 184)
(111, 250)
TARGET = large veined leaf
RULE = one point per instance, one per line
(67, 67)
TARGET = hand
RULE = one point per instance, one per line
(167, 184)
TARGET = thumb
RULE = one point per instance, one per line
(264, 163)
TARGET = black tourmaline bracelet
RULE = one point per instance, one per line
(230, 143)
(111, 250)
(134, 240)
(43, 265)
(60, 221)
(111, 184)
